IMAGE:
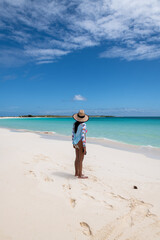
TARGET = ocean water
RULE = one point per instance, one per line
(141, 131)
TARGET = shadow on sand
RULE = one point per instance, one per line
(64, 175)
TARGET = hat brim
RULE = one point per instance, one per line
(79, 119)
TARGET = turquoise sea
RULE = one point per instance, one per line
(142, 131)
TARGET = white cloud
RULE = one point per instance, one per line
(12, 58)
(79, 98)
(137, 52)
(50, 29)
(45, 55)
(45, 62)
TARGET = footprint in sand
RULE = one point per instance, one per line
(86, 229)
(118, 196)
(133, 225)
(30, 172)
(93, 178)
(40, 157)
(67, 186)
(85, 186)
(73, 202)
(90, 196)
(47, 178)
(107, 205)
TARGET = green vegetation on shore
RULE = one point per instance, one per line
(61, 116)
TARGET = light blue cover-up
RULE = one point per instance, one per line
(80, 134)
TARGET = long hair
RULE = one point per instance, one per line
(76, 126)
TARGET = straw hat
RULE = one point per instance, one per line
(81, 116)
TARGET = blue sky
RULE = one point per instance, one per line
(60, 56)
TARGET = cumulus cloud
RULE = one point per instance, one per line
(79, 98)
(49, 29)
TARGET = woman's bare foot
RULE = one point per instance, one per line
(76, 175)
(83, 177)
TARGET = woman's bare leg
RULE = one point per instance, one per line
(76, 162)
(81, 157)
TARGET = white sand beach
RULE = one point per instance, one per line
(41, 199)
(8, 117)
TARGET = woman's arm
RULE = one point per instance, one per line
(84, 130)
(72, 134)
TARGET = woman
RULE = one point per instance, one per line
(79, 141)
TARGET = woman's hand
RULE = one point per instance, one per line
(84, 150)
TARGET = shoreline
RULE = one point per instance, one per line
(57, 116)
(91, 116)
(153, 152)
(122, 139)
